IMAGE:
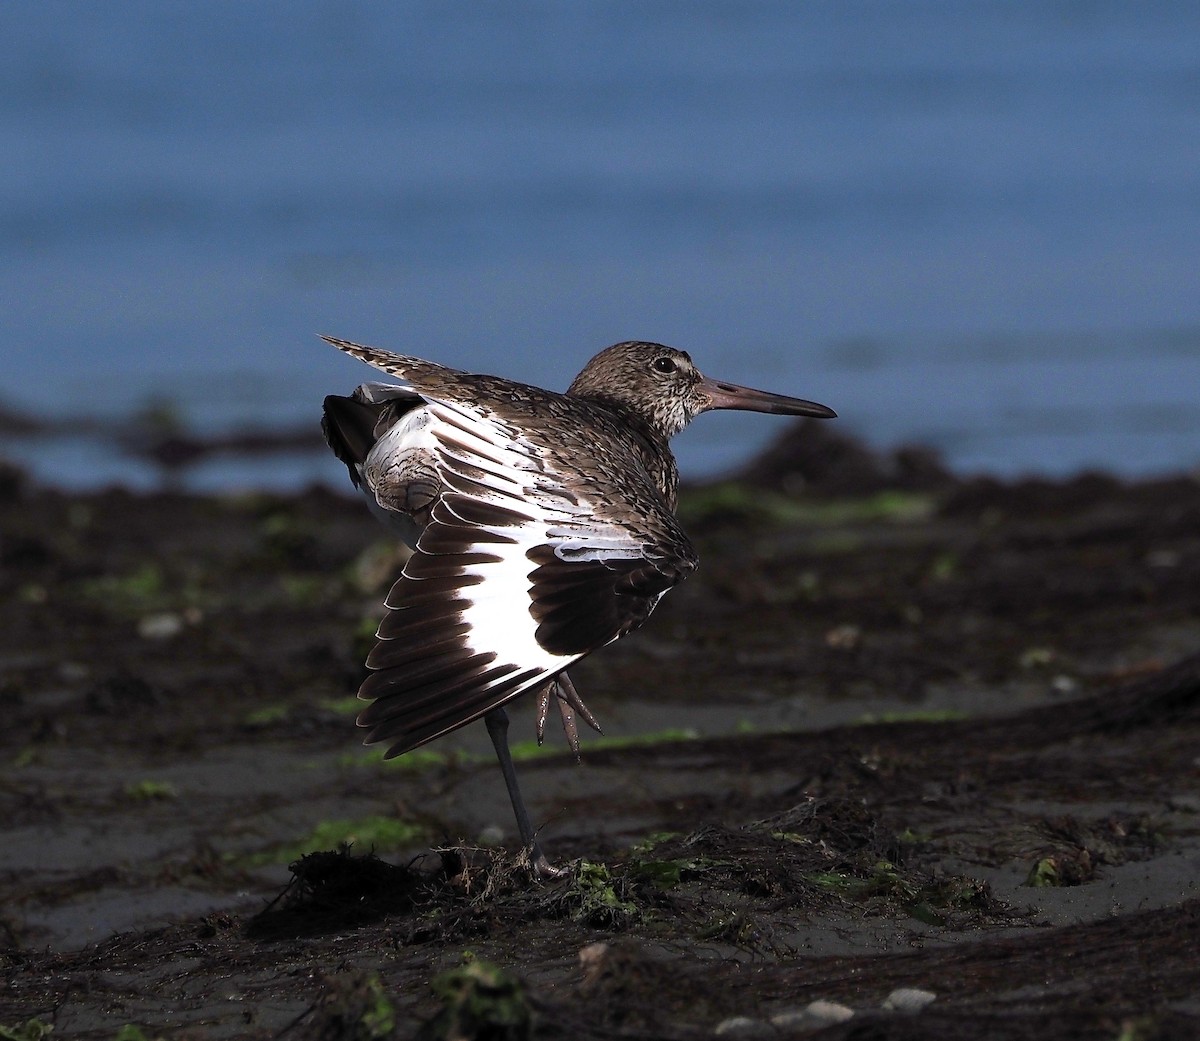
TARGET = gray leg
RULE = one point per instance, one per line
(497, 725)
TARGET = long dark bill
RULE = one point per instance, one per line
(746, 399)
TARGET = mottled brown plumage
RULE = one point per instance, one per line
(542, 524)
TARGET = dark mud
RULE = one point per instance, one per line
(901, 731)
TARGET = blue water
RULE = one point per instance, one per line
(971, 224)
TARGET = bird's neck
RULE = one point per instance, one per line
(649, 442)
(656, 425)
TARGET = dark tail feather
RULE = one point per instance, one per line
(349, 426)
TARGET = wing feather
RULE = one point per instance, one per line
(527, 564)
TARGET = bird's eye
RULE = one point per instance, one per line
(663, 364)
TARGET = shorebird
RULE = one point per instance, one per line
(542, 527)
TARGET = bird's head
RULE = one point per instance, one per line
(664, 388)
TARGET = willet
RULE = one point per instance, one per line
(542, 527)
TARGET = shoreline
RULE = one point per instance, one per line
(157, 447)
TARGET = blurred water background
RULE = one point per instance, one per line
(972, 225)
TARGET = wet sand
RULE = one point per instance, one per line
(900, 731)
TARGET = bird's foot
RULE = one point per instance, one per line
(569, 703)
(542, 869)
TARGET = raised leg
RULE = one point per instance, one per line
(569, 702)
(497, 725)
(568, 698)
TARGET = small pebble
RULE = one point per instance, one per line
(1163, 558)
(908, 999)
(843, 637)
(592, 959)
(1064, 684)
(741, 1026)
(815, 1014)
(829, 1011)
(160, 626)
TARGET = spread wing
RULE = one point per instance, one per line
(530, 560)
